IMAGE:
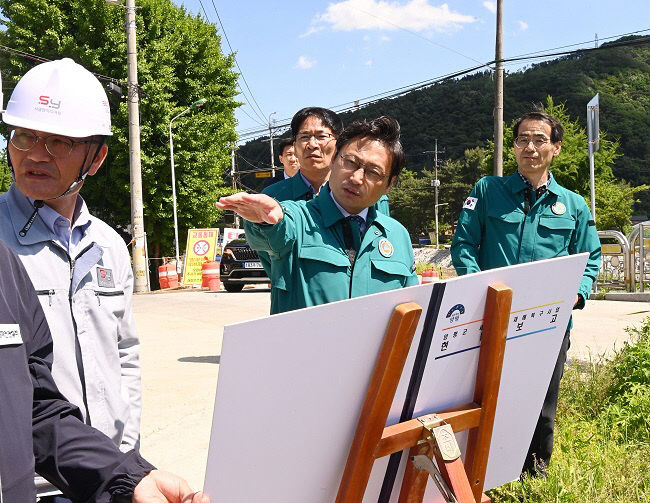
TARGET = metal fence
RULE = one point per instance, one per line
(626, 259)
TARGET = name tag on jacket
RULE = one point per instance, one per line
(10, 334)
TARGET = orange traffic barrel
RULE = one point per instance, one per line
(210, 275)
(429, 276)
(172, 275)
(162, 277)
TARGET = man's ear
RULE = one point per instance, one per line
(390, 185)
(99, 160)
(558, 148)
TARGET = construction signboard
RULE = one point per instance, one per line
(201, 245)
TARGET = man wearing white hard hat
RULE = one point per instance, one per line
(59, 119)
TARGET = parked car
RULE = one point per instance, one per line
(240, 265)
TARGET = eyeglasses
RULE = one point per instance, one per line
(372, 173)
(321, 138)
(524, 141)
(57, 146)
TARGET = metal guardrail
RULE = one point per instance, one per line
(627, 263)
(616, 270)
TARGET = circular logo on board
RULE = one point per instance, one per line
(201, 247)
(558, 209)
(385, 247)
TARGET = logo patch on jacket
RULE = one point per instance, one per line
(105, 277)
(470, 203)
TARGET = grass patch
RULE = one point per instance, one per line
(602, 443)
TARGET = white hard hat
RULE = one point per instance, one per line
(60, 97)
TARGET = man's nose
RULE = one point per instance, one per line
(39, 152)
(358, 176)
(313, 142)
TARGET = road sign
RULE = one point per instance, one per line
(593, 126)
(201, 245)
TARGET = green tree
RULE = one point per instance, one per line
(412, 202)
(5, 175)
(179, 61)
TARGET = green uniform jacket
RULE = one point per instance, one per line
(295, 189)
(309, 263)
(494, 231)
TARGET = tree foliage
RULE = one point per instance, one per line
(179, 61)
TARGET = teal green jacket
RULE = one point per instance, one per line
(494, 229)
(309, 263)
(295, 189)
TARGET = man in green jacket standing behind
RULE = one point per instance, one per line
(526, 217)
(336, 246)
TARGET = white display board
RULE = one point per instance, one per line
(229, 235)
(291, 386)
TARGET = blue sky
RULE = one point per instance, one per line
(329, 53)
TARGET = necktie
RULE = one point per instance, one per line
(309, 195)
(352, 236)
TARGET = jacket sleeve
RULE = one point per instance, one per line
(585, 239)
(128, 346)
(81, 461)
(469, 232)
(276, 240)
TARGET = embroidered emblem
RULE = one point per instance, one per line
(385, 248)
(470, 203)
(558, 208)
(105, 277)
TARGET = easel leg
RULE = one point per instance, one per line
(379, 398)
(488, 380)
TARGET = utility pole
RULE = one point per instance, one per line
(498, 94)
(137, 213)
(233, 175)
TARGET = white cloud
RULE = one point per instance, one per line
(384, 38)
(491, 6)
(417, 15)
(311, 31)
(523, 25)
(305, 63)
(368, 63)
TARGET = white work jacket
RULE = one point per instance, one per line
(87, 303)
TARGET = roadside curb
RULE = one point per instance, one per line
(624, 296)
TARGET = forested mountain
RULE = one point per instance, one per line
(458, 113)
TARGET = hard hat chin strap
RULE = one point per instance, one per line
(38, 204)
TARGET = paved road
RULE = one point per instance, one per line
(181, 344)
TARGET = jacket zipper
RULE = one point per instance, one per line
(50, 294)
(78, 357)
(114, 293)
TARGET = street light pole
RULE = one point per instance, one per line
(196, 104)
(271, 143)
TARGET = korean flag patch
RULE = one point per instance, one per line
(470, 203)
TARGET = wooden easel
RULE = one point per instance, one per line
(372, 440)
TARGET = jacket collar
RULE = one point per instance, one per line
(331, 214)
(516, 184)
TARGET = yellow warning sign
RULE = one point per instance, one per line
(201, 245)
(263, 174)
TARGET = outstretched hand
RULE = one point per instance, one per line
(256, 208)
(164, 487)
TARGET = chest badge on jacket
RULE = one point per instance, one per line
(105, 277)
(558, 208)
(385, 248)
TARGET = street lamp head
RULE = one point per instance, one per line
(199, 103)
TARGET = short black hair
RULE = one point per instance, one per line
(384, 129)
(284, 143)
(557, 130)
(327, 117)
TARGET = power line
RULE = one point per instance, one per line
(246, 100)
(393, 93)
(223, 30)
